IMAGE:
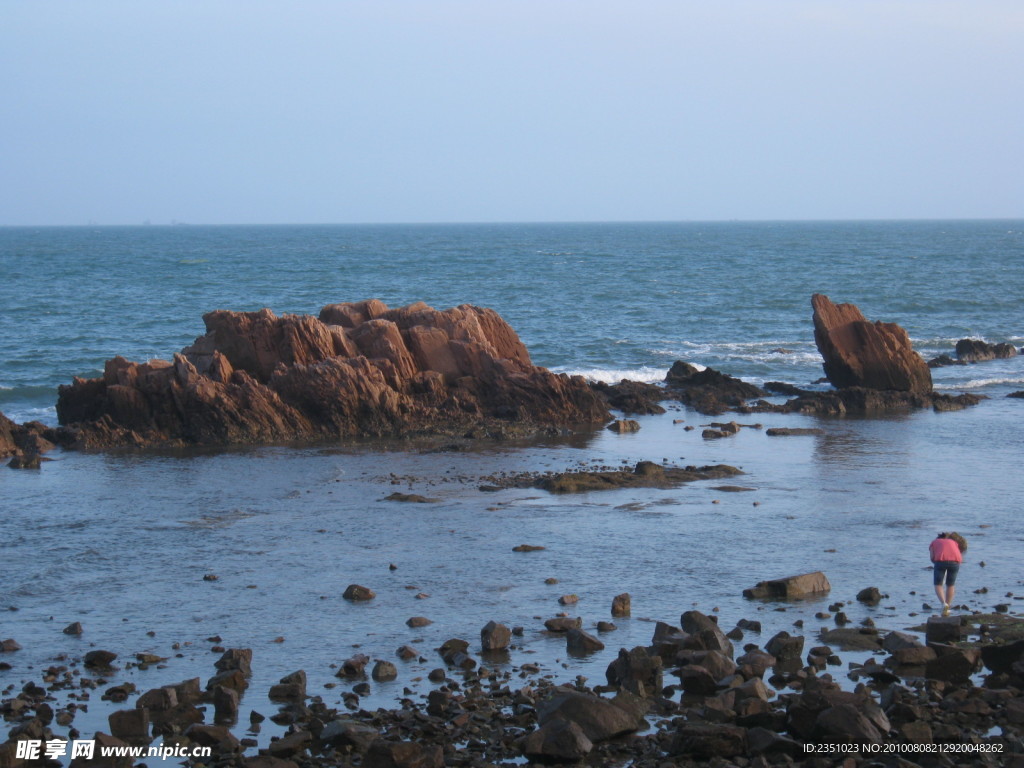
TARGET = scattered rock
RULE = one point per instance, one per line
(624, 426)
(131, 726)
(495, 637)
(790, 587)
(978, 351)
(870, 595)
(708, 391)
(945, 629)
(631, 397)
(384, 671)
(403, 754)
(580, 643)
(99, 658)
(357, 593)
(563, 624)
(621, 605)
(598, 718)
(26, 461)
(412, 498)
(646, 474)
(558, 740)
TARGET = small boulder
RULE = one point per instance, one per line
(563, 623)
(225, 704)
(709, 741)
(403, 754)
(624, 426)
(99, 658)
(384, 671)
(621, 605)
(870, 595)
(580, 643)
(560, 741)
(790, 587)
(785, 647)
(944, 629)
(131, 726)
(236, 658)
(357, 593)
(495, 637)
(598, 718)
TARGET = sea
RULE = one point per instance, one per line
(177, 552)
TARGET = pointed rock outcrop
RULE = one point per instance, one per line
(859, 353)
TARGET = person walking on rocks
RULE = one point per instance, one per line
(946, 557)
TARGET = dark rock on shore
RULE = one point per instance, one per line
(632, 397)
(357, 593)
(621, 605)
(782, 388)
(359, 369)
(978, 351)
(815, 583)
(729, 713)
(866, 402)
(26, 443)
(709, 391)
(646, 474)
(99, 658)
(969, 351)
(411, 498)
(624, 426)
(787, 431)
(941, 361)
(7, 444)
(858, 353)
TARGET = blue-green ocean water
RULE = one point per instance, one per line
(606, 299)
(121, 542)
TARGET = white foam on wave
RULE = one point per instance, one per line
(47, 415)
(772, 351)
(979, 383)
(615, 375)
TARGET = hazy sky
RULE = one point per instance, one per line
(478, 110)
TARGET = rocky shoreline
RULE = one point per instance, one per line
(363, 370)
(704, 691)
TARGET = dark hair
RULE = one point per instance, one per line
(943, 535)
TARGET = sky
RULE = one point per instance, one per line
(231, 112)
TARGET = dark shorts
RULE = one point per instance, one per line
(945, 571)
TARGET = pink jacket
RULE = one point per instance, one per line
(945, 550)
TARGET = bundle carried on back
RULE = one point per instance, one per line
(960, 540)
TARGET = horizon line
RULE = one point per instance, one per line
(175, 223)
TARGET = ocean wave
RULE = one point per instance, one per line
(979, 383)
(47, 415)
(774, 351)
(950, 342)
(615, 375)
(24, 392)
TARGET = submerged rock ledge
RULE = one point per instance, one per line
(359, 370)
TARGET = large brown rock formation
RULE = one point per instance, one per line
(858, 353)
(360, 369)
